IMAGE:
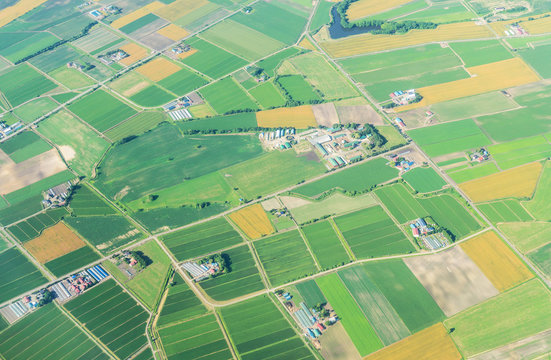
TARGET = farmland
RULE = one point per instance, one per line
(33, 226)
(19, 274)
(526, 236)
(300, 117)
(325, 244)
(24, 146)
(310, 292)
(212, 60)
(509, 210)
(462, 174)
(424, 180)
(53, 243)
(480, 52)
(539, 204)
(519, 152)
(23, 83)
(72, 261)
(180, 303)
(85, 202)
(135, 125)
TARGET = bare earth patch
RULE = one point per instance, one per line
(325, 114)
(359, 114)
(67, 152)
(292, 202)
(270, 204)
(336, 344)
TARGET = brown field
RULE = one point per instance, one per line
(135, 53)
(300, 117)
(16, 176)
(452, 279)
(497, 261)
(485, 78)
(325, 114)
(365, 43)
(179, 8)
(20, 8)
(364, 8)
(429, 344)
(135, 15)
(517, 182)
(158, 69)
(253, 221)
(528, 348)
(173, 32)
(53, 243)
(359, 114)
(337, 345)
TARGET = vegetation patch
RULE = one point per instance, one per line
(253, 221)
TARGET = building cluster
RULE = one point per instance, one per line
(126, 263)
(6, 130)
(113, 56)
(74, 65)
(480, 155)
(403, 97)
(515, 30)
(183, 103)
(400, 123)
(57, 196)
(200, 272)
(428, 235)
(101, 13)
(180, 49)
(281, 138)
(335, 145)
(401, 162)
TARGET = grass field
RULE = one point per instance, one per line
(497, 261)
(526, 236)
(253, 221)
(182, 82)
(519, 152)
(365, 8)
(372, 233)
(267, 95)
(476, 53)
(298, 89)
(72, 261)
(180, 303)
(509, 210)
(21, 210)
(300, 117)
(54, 242)
(225, 95)
(534, 58)
(489, 103)
(542, 258)
(71, 78)
(19, 274)
(22, 83)
(461, 175)
(270, 64)
(136, 125)
(325, 244)
(221, 123)
(24, 146)
(539, 204)
(85, 202)
(201, 239)
(112, 316)
(35, 109)
(285, 257)
(492, 323)
(354, 321)
(258, 330)
(52, 333)
(243, 278)
(33, 226)
(152, 96)
(311, 293)
(424, 179)
(28, 46)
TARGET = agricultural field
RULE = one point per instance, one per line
(325, 244)
(267, 95)
(135, 125)
(253, 221)
(526, 236)
(35, 109)
(22, 83)
(310, 292)
(298, 89)
(228, 123)
(365, 8)
(151, 96)
(300, 117)
(32, 227)
(24, 146)
(68, 263)
(86, 202)
(464, 173)
(424, 180)
(54, 242)
(519, 152)
(226, 95)
(19, 274)
(508, 210)
(539, 205)
(476, 53)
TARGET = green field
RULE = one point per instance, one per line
(508, 210)
(24, 146)
(64, 97)
(311, 293)
(228, 123)
(152, 96)
(527, 236)
(321, 16)
(519, 152)
(540, 205)
(38, 187)
(201, 239)
(181, 303)
(325, 245)
(372, 233)
(241, 280)
(359, 178)
(18, 274)
(354, 321)
(85, 202)
(443, 12)
(21, 210)
(449, 137)
(466, 173)
(182, 82)
(22, 83)
(476, 53)
(424, 179)
(225, 95)
(542, 258)
(267, 95)
(112, 316)
(101, 110)
(270, 64)
(136, 125)
(298, 88)
(139, 23)
(511, 316)
(71, 78)
(32, 227)
(72, 261)
(35, 109)
(463, 108)
(285, 257)
(405, 293)
(29, 46)
(380, 313)
(258, 330)
(535, 58)
(53, 335)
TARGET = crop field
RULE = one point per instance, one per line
(136, 125)
(380, 313)
(99, 38)
(21, 210)
(11, 13)
(34, 109)
(37, 183)
(509, 210)
(28, 46)
(71, 78)
(539, 206)
(359, 178)
(405, 293)
(372, 233)
(54, 242)
(449, 137)
(258, 330)
(311, 293)
(497, 261)
(476, 53)
(18, 274)
(300, 117)
(85, 202)
(492, 324)
(24, 146)
(142, 22)
(526, 236)
(104, 232)
(519, 152)
(180, 303)
(298, 88)
(52, 333)
(463, 174)
(354, 321)
(453, 279)
(225, 95)
(22, 83)
(212, 60)
(267, 95)
(400, 202)
(33, 226)
(365, 8)
(325, 244)
(152, 96)
(534, 58)
(194, 339)
(108, 110)
(517, 182)
(135, 53)
(173, 32)
(112, 316)
(270, 64)
(492, 102)
(228, 123)
(72, 261)
(431, 343)
(285, 257)
(424, 179)
(80, 146)
(542, 258)
(253, 221)
(243, 278)
(158, 69)
(201, 239)
(182, 82)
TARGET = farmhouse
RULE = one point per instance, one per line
(202, 271)
(57, 196)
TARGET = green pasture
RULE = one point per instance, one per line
(18, 274)
(321, 16)
(230, 123)
(461, 174)
(540, 205)
(64, 97)
(24, 146)
(180, 303)
(535, 57)
(519, 152)
(542, 258)
(509, 210)
(182, 82)
(267, 95)
(85, 202)
(71, 78)
(325, 244)
(298, 88)
(482, 52)
(472, 106)
(22, 83)
(136, 125)
(72, 261)
(526, 236)
(35, 109)
(28, 46)
(424, 179)
(271, 63)
(226, 95)
(152, 96)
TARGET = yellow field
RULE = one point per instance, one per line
(300, 117)
(361, 44)
(363, 8)
(135, 15)
(173, 32)
(486, 78)
(179, 8)
(538, 26)
(158, 69)
(202, 110)
(53, 243)
(500, 265)
(20, 8)
(135, 53)
(253, 221)
(305, 43)
(518, 182)
(431, 343)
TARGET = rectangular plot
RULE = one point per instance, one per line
(325, 244)
(18, 274)
(180, 303)
(311, 293)
(72, 261)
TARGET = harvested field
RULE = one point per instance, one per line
(431, 343)
(20, 8)
(359, 114)
(179, 8)
(53, 243)
(135, 15)
(538, 26)
(158, 69)
(527, 348)
(16, 176)
(325, 114)
(300, 117)
(135, 53)
(253, 221)
(337, 345)
(173, 32)
(453, 280)
(517, 182)
(364, 8)
(497, 261)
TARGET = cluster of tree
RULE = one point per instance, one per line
(516, 9)
(223, 261)
(223, 131)
(142, 260)
(47, 298)
(321, 310)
